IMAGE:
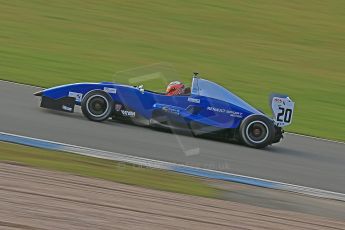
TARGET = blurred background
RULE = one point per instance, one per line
(252, 47)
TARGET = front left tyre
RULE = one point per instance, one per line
(97, 105)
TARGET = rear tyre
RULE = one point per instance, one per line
(257, 131)
(97, 105)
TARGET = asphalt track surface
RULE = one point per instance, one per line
(298, 160)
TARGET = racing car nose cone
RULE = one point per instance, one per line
(39, 93)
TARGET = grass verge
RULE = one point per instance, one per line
(105, 169)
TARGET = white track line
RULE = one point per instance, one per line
(172, 167)
(316, 138)
(21, 84)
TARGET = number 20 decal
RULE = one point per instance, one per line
(284, 115)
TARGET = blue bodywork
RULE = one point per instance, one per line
(208, 104)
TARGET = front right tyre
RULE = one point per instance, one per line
(257, 131)
(97, 105)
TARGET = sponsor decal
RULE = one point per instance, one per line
(176, 111)
(279, 100)
(194, 100)
(110, 90)
(66, 108)
(234, 114)
(171, 110)
(78, 96)
(226, 111)
(127, 113)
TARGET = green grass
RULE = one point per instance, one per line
(105, 169)
(253, 47)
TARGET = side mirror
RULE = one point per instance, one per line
(141, 89)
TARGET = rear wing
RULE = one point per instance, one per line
(282, 109)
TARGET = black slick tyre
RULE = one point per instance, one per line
(257, 131)
(97, 105)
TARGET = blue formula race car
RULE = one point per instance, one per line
(206, 109)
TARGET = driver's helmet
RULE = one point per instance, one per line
(175, 88)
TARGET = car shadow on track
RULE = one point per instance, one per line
(273, 148)
(287, 151)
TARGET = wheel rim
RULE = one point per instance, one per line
(97, 105)
(257, 132)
